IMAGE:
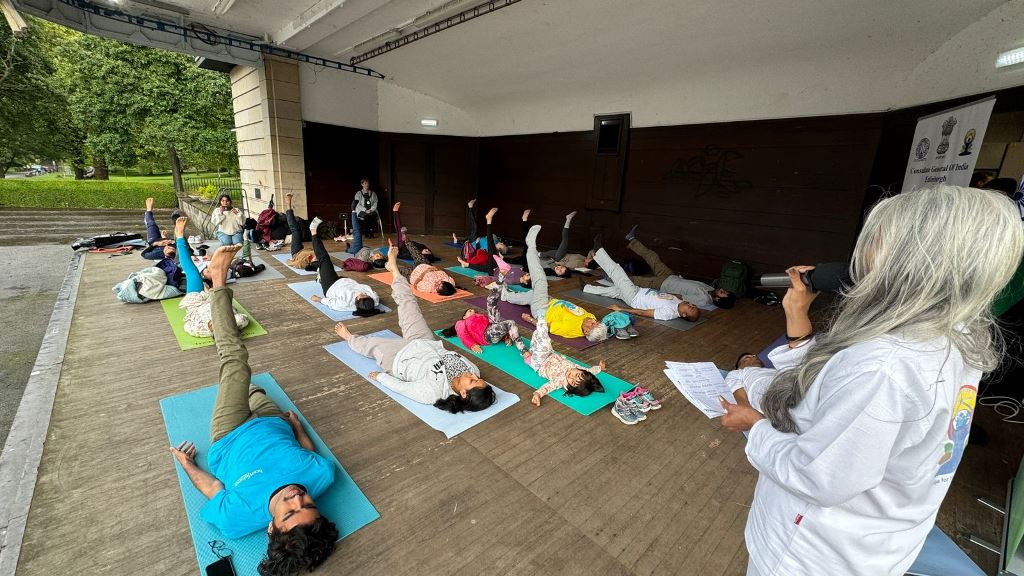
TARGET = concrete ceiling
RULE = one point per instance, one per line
(678, 60)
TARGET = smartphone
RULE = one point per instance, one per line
(221, 567)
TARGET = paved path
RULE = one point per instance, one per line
(34, 255)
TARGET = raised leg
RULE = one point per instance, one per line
(539, 300)
(193, 280)
(328, 275)
(357, 234)
(231, 408)
(410, 318)
(625, 290)
(651, 257)
(296, 232)
(152, 230)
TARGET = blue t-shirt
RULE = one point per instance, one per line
(252, 461)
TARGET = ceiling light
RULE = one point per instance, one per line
(1010, 58)
(428, 123)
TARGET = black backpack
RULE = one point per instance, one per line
(735, 278)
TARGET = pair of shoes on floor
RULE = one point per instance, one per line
(197, 239)
(275, 245)
(632, 407)
(626, 333)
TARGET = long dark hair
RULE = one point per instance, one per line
(476, 399)
(586, 386)
(449, 332)
(446, 289)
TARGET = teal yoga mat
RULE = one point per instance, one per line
(508, 360)
(187, 417)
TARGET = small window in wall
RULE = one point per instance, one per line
(610, 130)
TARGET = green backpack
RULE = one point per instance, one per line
(735, 278)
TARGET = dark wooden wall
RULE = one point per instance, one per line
(336, 160)
(771, 193)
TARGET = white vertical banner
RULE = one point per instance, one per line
(946, 146)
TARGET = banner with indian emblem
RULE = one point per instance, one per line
(946, 145)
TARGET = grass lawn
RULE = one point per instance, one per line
(115, 177)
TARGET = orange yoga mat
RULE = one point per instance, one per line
(385, 277)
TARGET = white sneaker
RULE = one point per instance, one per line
(314, 224)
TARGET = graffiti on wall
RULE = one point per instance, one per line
(708, 174)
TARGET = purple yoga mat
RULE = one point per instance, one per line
(763, 354)
(515, 312)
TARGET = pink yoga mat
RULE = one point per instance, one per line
(515, 312)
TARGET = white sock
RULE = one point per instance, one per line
(569, 217)
(314, 224)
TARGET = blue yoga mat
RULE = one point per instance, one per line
(940, 556)
(445, 422)
(187, 417)
(308, 289)
(284, 258)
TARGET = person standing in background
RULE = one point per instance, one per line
(364, 209)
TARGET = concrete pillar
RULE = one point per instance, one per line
(268, 127)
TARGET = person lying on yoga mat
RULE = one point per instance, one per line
(417, 366)
(341, 294)
(159, 247)
(197, 300)
(264, 473)
(665, 280)
(479, 258)
(560, 372)
(476, 330)
(646, 302)
(406, 246)
(472, 243)
(558, 262)
(302, 258)
(563, 318)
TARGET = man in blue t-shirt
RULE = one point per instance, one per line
(264, 471)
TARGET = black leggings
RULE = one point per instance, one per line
(328, 276)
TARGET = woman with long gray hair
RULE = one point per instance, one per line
(856, 439)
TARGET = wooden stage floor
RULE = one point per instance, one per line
(530, 491)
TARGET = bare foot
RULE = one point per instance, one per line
(471, 202)
(462, 262)
(221, 263)
(341, 330)
(455, 239)
(288, 199)
(396, 207)
(490, 214)
(526, 215)
(526, 316)
(149, 204)
(179, 227)
(392, 265)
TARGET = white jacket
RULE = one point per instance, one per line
(882, 430)
(341, 296)
(229, 222)
(417, 373)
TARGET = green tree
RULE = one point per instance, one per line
(34, 121)
(138, 106)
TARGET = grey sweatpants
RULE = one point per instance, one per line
(410, 320)
(623, 288)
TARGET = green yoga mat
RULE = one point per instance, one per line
(176, 318)
(508, 360)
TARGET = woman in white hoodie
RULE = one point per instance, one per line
(229, 221)
(857, 437)
(417, 366)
